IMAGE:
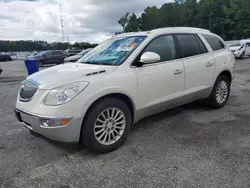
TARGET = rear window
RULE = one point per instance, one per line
(214, 42)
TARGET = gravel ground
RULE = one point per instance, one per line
(190, 146)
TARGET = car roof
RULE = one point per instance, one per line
(167, 30)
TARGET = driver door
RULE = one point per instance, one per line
(161, 84)
(47, 59)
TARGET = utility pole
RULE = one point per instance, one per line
(61, 22)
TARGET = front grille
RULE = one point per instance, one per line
(27, 91)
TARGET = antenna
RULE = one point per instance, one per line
(61, 22)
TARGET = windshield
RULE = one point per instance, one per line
(41, 53)
(113, 51)
(234, 45)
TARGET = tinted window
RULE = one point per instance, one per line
(202, 46)
(189, 45)
(57, 53)
(164, 46)
(48, 53)
(214, 42)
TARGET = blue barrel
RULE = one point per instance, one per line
(32, 66)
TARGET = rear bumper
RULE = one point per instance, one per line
(67, 133)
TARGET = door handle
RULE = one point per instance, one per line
(178, 71)
(209, 64)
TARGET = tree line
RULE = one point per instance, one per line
(228, 18)
(16, 46)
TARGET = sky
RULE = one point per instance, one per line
(84, 20)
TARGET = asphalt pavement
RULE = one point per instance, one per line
(189, 146)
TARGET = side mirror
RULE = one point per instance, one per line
(150, 57)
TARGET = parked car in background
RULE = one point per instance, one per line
(124, 79)
(74, 58)
(32, 54)
(241, 48)
(5, 57)
(72, 52)
(49, 57)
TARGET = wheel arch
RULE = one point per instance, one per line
(123, 97)
(226, 73)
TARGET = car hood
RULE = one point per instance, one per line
(67, 73)
(72, 58)
(234, 48)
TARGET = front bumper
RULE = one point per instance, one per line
(68, 133)
(237, 54)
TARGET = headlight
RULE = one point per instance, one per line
(65, 93)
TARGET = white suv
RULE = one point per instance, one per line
(130, 76)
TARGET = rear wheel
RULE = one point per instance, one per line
(106, 126)
(220, 93)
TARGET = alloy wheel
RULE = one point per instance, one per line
(221, 92)
(109, 126)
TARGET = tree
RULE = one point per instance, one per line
(149, 19)
(15, 46)
(124, 20)
(133, 24)
(228, 18)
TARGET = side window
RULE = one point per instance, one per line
(48, 53)
(189, 45)
(214, 42)
(248, 44)
(202, 45)
(164, 46)
(57, 53)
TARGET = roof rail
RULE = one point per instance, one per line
(180, 28)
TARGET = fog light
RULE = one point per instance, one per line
(54, 122)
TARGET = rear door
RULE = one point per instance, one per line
(58, 57)
(199, 66)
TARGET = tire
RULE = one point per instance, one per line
(242, 55)
(213, 100)
(40, 63)
(89, 130)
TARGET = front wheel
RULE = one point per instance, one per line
(242, 55)
(106, 126)
(220, 93)
(40, 64)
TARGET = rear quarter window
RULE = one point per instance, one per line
(214, 42)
